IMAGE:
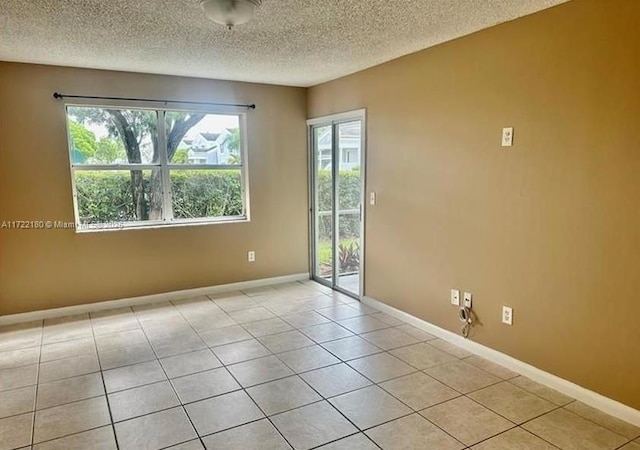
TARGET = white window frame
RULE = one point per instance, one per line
(165, 167)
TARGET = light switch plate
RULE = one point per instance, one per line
(507, 137)
(372, 199)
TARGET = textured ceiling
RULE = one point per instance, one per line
(291, 42)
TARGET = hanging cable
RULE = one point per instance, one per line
(464, 314)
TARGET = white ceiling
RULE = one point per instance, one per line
(290, 42)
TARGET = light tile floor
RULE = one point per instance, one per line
(289, 366)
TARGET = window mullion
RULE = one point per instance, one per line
(114, 167)
(167, 207)
(244, 183)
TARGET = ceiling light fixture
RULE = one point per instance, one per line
(230, 12)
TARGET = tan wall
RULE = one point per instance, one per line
(47, 269)
(551, 226)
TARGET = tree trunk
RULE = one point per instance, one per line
(137, 190)
(132, 147)
(155, 195)
(179, 128)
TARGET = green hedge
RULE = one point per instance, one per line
(210, 193)
(349, 194)
(106, 196)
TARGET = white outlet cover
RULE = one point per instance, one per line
(467, 299)
(507, 137)
(372, 199)
(507, 315)
(455, 297)
(251, 256)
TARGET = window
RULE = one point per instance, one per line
(144, 167)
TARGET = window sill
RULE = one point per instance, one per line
(152, 225)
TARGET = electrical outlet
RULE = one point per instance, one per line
(372, 199)
(455, 297)
(467, 299)
(507, 137)
(251, 256)
(507, 315)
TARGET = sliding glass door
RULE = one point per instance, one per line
(323, 217)
(337, 178)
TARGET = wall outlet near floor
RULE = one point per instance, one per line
(467, 299)
(507, 137)
(372, 199)
(455, 297)
(251, 256)
(507, 315)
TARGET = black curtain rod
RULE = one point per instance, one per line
(58, 96)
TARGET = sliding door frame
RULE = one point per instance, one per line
(334, 120)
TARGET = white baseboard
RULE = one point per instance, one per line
(591, 398)
(145, 299)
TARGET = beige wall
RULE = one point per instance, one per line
(550, 226)
(47, 269)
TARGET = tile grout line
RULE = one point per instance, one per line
(35, 398)
(517, 427)
(347, 437)
(104, 385)
(68, 435)
(235, 427)
(74, 401)
(562, 407)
